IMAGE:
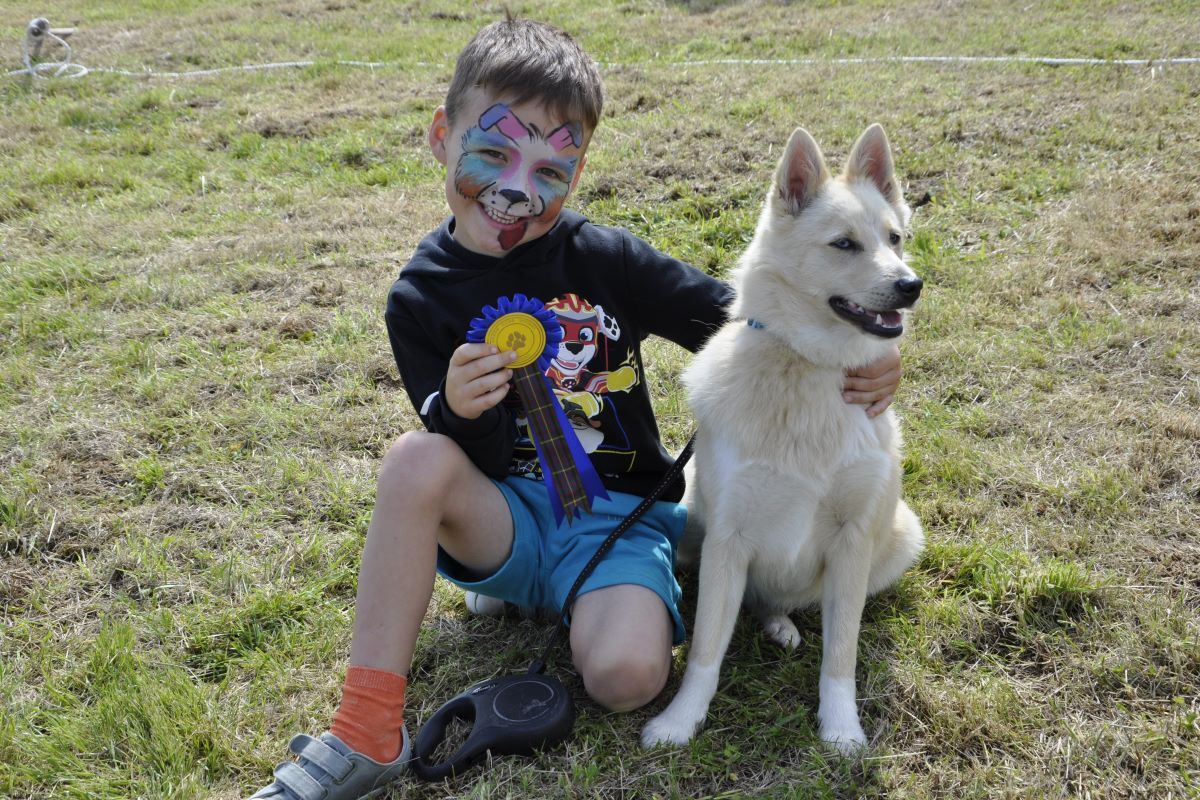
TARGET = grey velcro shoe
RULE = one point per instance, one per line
(326, 769)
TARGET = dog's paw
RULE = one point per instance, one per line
(782, 631)
(838, 715)
(845, 736)
(846, 746)
(664, 729)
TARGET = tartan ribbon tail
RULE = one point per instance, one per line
(571, 480)
(584, 472)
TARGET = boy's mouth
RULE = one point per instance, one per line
(512, 229)
(500, 216)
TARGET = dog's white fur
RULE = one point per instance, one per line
(798, 492)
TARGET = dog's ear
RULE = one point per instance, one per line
(871, 159)
(801, 172)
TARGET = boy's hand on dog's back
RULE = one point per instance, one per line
(875, 384)
(477, 379)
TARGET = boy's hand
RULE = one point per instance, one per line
(477, 379)
(875, 384)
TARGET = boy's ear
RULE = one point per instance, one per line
(439, 129)
(578, 172)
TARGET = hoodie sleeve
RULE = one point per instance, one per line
(488, 440)
(674, 300)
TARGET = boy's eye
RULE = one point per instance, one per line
(552, 174)
(496, 154)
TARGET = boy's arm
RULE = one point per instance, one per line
(674, 300)
(488, 439)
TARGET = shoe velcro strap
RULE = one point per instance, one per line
(298, 782)
(405, 744)
(321, 754)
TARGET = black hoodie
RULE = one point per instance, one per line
(610, 290)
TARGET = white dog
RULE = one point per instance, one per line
(798, 491)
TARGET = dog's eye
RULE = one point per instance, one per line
(844, 243)
(894, 238)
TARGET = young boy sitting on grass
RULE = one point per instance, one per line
(466, 499)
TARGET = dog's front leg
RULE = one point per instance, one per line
(843, 595)
(723, 565)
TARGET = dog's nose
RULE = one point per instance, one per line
(909, 288)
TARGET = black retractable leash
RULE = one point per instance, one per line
(518, 714)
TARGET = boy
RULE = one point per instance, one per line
(465, 499)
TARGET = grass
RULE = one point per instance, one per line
(197, 388)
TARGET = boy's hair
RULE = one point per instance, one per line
(526, 60)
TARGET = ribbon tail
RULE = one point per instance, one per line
(571, 480)
(552, 488)
(589, 480)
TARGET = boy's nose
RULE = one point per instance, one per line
(514, 196)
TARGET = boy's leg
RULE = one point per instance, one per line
(621, 644)
(429, 492)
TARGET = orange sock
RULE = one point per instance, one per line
(372, 712)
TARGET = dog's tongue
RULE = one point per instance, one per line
(510, 236)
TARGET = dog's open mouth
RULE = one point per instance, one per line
(884, 323)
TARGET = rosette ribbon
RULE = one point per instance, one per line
(523, 324)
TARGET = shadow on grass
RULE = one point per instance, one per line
(702, 6)
(760, 737)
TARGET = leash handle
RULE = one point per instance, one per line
(510, 715)
(669, 477)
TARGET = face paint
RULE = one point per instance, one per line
(516, 173)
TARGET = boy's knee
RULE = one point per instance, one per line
(420, 461)
(623, 682)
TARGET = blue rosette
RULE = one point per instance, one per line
(524, 324)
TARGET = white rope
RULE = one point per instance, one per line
(197, 73)
(39, 29)
(79, 70)
(36, 34)
(1047, 60)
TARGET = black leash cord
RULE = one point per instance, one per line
(669, 477)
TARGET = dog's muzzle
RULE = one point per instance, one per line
(887, 323)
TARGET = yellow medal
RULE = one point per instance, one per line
(520, 332)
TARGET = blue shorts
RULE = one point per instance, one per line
(546, 559)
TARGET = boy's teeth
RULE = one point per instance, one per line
(503, 219)
(879, 319)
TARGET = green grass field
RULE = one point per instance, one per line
(196, 388)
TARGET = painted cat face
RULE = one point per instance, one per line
(512, 169)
